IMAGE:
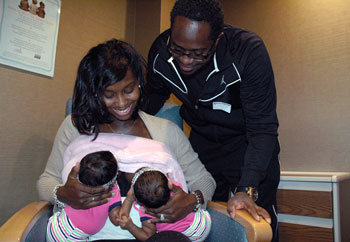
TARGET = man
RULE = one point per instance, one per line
(224, 78)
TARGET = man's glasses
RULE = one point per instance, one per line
(195, 54)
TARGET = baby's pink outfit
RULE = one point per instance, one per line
(93, 219)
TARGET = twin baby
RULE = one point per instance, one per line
(149, 189)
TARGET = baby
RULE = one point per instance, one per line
(24, 5)
(33, 8)
(41, 10)
(96, 169)
(150, 189)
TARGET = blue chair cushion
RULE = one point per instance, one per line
(38, 232)
(171, 112)
(223, 228)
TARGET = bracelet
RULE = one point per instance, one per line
(198, 198)
(58, 202)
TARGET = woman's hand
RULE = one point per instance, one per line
(80, 196)
(242, 201)
(178, 207)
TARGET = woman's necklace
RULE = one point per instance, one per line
(124, 131)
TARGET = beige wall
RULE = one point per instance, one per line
(147, 24)
(309, 46)
(166, 6)
(32, 106)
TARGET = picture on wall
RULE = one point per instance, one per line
(28, 34)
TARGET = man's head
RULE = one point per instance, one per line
(195, 29)
(208, 11)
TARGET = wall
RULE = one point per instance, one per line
(32, 106)
(166, 6)
(309, 47)
(146, 25)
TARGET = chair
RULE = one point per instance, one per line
(240, 229)
(29, 223)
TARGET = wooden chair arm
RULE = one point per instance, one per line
(256, 231)
(18, 226)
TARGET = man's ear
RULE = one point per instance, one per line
(218, 38)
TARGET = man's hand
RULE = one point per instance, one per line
(242, 201)
(80, 196)
(179, 205)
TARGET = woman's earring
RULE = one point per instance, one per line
(139, 86)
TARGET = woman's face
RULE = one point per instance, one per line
(121, 98)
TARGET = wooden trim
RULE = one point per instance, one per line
(305, 203)
(296, 232)
(256, 231)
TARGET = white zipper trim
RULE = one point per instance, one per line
(238, 80)
(239, 76)
(276, 228)
(209, 99)
(216, 68)
(185, 90)
(171, 62)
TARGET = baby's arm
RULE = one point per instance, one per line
(127, 204)
(118, 212)
(114, 215)
(147, 230)
(115, 207)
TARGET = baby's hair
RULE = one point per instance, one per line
(98, 168)
(150, 187)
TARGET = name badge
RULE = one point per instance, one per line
(226, 107)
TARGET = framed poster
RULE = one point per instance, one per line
(28, 34)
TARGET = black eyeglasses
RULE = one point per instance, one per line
(195, 54)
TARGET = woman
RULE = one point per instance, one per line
(106, 99)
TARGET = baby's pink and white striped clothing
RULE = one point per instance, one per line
(78, 224)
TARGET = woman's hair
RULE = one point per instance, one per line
(104, 65)
(98, 168)
(200, 10)
(151, 187)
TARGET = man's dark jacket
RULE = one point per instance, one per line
(232, 100)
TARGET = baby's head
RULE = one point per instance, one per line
(150, 187)
(98, 168)
(35, 1)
